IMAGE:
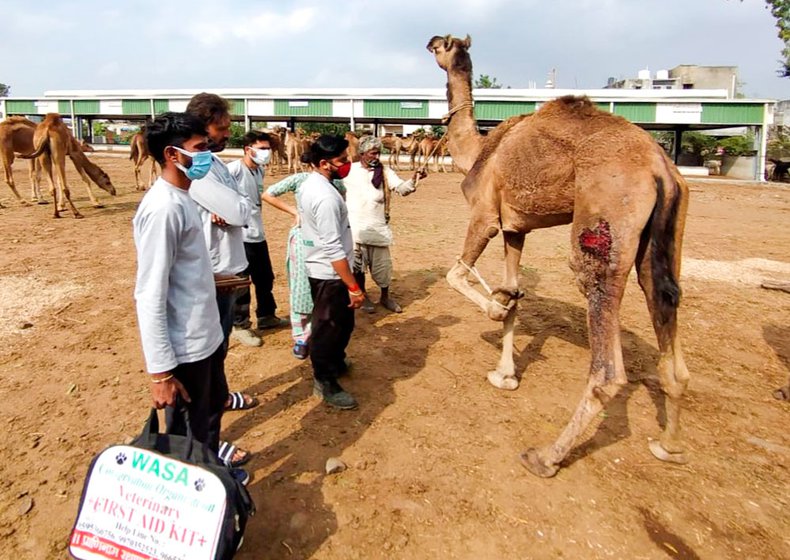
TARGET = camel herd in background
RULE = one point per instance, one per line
(420, 148)
(51, 142)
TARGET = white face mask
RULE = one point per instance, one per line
(261, 156)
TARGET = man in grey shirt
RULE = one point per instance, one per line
(329, 254)
(174, 292)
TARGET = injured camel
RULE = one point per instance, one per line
(626, 203)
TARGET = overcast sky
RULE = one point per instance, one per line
(140, 44)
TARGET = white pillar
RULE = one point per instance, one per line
(762, 145)
(353, 124)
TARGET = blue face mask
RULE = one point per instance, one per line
(201, 163)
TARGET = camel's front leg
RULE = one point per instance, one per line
(477, 237)
(94, 201)
(504, 376)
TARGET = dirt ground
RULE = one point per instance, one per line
(432, 450)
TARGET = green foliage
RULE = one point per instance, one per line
(698, 144)
(438, 131)
(99, 128)
(338, 129)
(4, 90)
(484, 81)
(664, 139)
(779, 143)
(738, 145)
(780, 9)
(237, 132)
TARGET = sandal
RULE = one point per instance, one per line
(227, 451)
(241, 401)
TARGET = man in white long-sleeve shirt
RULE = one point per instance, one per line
(176, 304)
(224, 212)
(368, 188)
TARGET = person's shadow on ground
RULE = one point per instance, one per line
(293, 520)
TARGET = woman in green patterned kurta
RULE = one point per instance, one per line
(301, 302)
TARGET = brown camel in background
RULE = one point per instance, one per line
(293, 150)
(277, 143)
(626, 201)
(139, 155)
(16, 135)
(394, 145)
(431, 147)
(51, 136)
(353, 146)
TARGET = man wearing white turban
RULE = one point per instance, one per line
(368, 189)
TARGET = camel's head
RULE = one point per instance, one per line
(103, 180)
(451, 52)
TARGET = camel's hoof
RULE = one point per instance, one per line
(500, 381)
(497, 313)
(662, 454)
(78, 216)
(533, 463)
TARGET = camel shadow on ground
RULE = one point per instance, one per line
(778, 338)
(542, 318)
(294, 519)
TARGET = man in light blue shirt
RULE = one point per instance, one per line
(248, 173)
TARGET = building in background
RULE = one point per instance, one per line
(685, 76)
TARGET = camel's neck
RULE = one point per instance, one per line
(463, 140)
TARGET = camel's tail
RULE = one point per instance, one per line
(664, 232)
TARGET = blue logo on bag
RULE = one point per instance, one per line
(163, 469)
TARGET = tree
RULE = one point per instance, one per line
(338, 129)
(4, 90)
(780, 9)
(486, 82)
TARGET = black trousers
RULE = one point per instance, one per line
(332, 325)
(205, 382)
(260, 270)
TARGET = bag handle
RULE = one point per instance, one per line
(150, 431)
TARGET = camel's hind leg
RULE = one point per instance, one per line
(152, 175)
(658, 266)
(137, 180)
(9, 179)
(34, 170)
(601, 259)
(59, 159)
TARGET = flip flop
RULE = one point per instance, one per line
(238, 401)
(226, 452)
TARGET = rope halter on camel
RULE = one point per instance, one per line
(514, 296)
(465, 105)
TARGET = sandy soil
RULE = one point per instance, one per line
(432, 450)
